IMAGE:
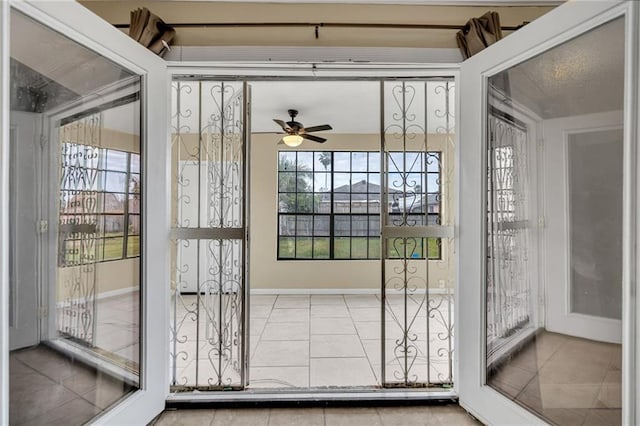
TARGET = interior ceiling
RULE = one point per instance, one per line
(117, 12)
(30, 91)
(348, 106)
(582, 76)
(59, 59)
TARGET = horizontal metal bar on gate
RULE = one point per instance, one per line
(515, 224)
(417, 232)
(207, 233)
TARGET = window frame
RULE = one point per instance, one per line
(102, 168)
(332, 215)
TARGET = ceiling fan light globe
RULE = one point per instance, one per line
(292, 140)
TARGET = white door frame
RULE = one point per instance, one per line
(79, 24)
(563, 23)
(557, 244)
(4, 212)
(349, 71)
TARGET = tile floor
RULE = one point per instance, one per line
(47, 388)
(116, 329)
(567, 380)
(324, 341)
(445, 415)
(303, 341)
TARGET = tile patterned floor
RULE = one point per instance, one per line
(47, 388)
(299, 341)
(567, 380)
(303, 340)
(117, 328)
(446, 415)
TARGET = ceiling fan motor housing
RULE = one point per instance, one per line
(296, 128)
(295, 125)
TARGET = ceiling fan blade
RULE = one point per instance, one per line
(318, 128)
(283, 125)
(313, 138)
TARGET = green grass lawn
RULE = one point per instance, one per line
(354, 248)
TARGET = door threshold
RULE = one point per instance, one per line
(310, 398)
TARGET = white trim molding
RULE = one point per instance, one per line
(285, 70)
(4, 213)
(331, 291)
(313, 54)
(497, 3)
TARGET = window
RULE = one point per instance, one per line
(99, 204)
(329, 203)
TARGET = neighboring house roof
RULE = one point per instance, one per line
(358, 192)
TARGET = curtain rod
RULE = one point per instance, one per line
(321, 25)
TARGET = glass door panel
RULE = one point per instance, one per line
(78, 247)
(570, 356)
(552, 268)
(98, 274)
(85, 159)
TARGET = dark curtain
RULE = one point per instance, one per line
(150, 31)
(479, 33)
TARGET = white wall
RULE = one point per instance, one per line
(23, 190)
(111, 278)
(266, 272)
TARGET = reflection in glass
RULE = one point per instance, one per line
(75, 310)
(554, 230)
(595, 179)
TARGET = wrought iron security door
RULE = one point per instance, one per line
(209, 292)
(510, 301)
(78, 228)
(417, 147)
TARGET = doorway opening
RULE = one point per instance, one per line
(325, 265)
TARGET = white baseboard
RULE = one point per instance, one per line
(314, 291)
(119, 292)
(100, 296)
(329, 291)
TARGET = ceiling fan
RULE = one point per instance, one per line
(296, 132)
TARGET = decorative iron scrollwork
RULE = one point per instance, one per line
(207, 338)
(417, 349)
(78, 228)
(509, 308)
